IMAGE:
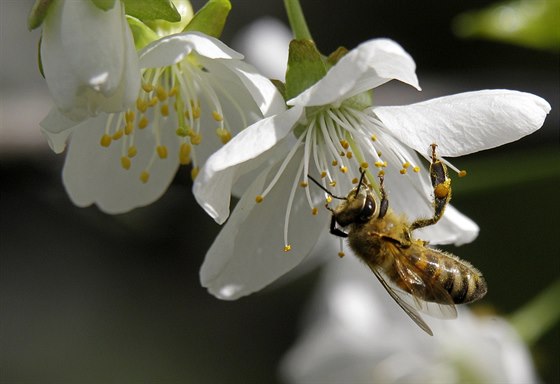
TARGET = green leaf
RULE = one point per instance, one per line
(143, 35)
(152, 10)
(211, 18)
(305, 67)
(38, 13)
(104, 4)
(532, 23)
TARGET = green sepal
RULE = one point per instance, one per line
(152, 10)
(338, 54)
(38, 13)
(142, 34)
(306, 66)
(280, 86)
(211, 18)
(105, 5)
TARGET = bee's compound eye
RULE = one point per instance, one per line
(368, 210)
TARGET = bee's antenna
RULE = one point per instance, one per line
(360, 182)
(325, 189)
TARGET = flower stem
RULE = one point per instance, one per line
(297, 20)
(536, 317)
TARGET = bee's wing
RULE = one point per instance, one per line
(397, 296)
(421, 285)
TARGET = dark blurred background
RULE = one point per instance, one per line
(89, 298)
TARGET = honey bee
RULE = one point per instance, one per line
(417, 277)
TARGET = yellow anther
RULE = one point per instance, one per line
(406, 165)
(182, 132)
(341, 254)
(196, 112)
(379, 164)
(105, 140)
(287, 248)
(224, 135)
(334, 163)
(416, 169)
(462, 173)
(314, 211)
(147, 87)
(143, 123)
(403, 171)
(364, 165)
(141, 105)
(303, 184)
(145, 176)
(125, 162)
(379, 154)
(349, 154)
(343, 169)
(332, 183)
(153, 101)
(128, 128)
(217, 116)
(161, 151)
(328, 199)
(381, 173)
(129, 116)
(355, 180)
(341, 153)
(323, 174)
(132, 151)
(118, 134)
(344, 144)
(373, 138)
(194, 173)
(164, 110)
(161, 93)
(185, 153)
(173, 91)
(196, 138)
(259, 198)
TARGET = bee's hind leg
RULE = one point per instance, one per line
(442, 191)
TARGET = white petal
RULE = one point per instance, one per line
(87, 57)
(248, 253)
(246, 151)
(93, 174)
(171, 49)
(467, 122)
(371, 64)
(265, 94)
(57, 128)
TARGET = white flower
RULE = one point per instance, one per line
(357, 334)
(196, 92)
(331, 132)
(88, 58)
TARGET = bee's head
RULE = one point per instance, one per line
(358, 207)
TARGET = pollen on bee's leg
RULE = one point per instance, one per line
(105, 140)
(441, 190)
(161, 151)
(287, 248)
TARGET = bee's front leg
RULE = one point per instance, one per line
(336, 231)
